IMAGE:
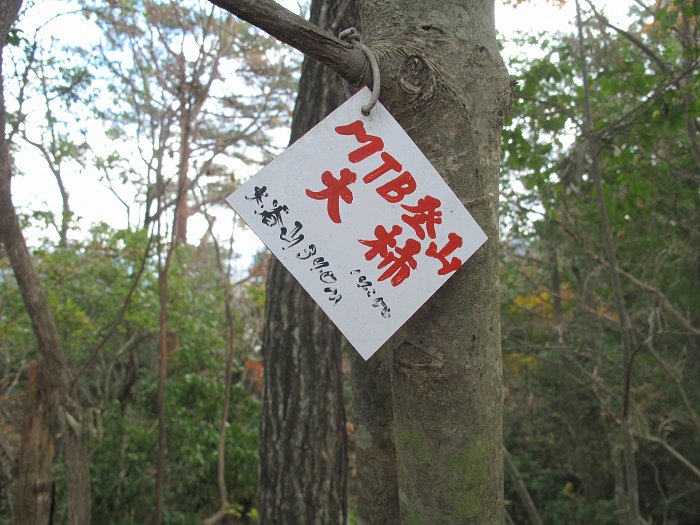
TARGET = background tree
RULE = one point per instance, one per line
(177, 107)
(110, 326)
(303, 419)
(51, 402)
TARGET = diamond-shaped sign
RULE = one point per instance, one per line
(361, 218)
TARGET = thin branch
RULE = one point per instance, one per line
(228, 379)
(631, 481)
(680, 457)
(521, 488)
(675, 376)
(644, 7)
(665, 302)
(654, 57)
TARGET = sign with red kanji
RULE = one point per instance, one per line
(361, 218)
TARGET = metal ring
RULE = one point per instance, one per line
(351, 35)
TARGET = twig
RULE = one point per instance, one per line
(692, 468)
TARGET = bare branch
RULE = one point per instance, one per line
(676, 378)
(680, 457)
(665, 302)
(343, 58)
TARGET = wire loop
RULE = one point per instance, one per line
(353, 36)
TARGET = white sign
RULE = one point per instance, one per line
(361, 218)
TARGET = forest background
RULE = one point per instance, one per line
(167, 108)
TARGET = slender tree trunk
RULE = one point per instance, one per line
(631, 484)
(162, 376)
(521, 489)
(167, 339)
(228, 383)
(66, 213)
(164, 345)
(49, 383)
(303, 444)
(618, 471)
(182, 211)
(444, 81)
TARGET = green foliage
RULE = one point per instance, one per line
(87, 283)
(14, 37)
(561, 339)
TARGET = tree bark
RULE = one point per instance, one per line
(36, 453)
(77, 461)
(377, 483)
(303, 445)
(161, 461)
(444, 81)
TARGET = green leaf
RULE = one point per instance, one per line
(13, 37)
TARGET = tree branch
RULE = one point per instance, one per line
(342, 57)
(653, 56)
(692, 468)
(663, 299)
(521, 488)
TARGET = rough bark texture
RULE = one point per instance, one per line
(377, 484)
(36, 453)
(77, 461)
(444, 81)
(303, 446)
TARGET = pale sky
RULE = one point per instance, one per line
(36, 188)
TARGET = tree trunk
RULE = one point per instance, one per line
(182, 211)
(77, 462)
(444, 81)
(521, 489)
(161, 464)
(303, 445)
(49, 383)
(36, 453)
(626, 335)
(377, 484)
